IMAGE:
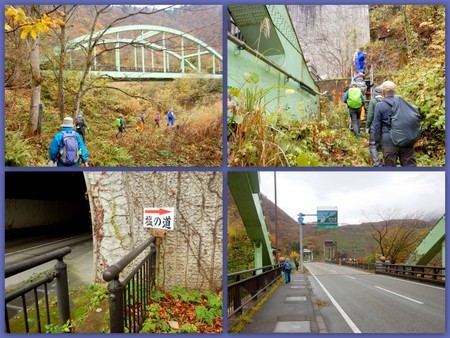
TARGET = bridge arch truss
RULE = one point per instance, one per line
(146, 52)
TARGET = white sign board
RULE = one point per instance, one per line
(159, 218)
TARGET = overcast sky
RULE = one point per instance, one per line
(356, 194)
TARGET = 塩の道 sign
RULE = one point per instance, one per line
(159, 218)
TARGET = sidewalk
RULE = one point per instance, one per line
(290, 309)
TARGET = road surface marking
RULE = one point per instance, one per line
(338, 307)
(349, 276)
(333, 271)
(66, 239)
(397, 294)
(14, 306)
(416, 283)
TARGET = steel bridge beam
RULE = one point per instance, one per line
(430, 246)
(244, 186)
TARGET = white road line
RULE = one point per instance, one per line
(349, 276)
(411, 282)
(338, 307)
(45, 244)
(14, 307)
(333, 271)
(397, 294)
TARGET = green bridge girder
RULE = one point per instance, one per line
(430, 246)
(276, 57)
(244, 186)
(144, 64)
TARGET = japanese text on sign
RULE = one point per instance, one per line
(159, 218)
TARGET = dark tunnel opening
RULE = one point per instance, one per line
(51, 204)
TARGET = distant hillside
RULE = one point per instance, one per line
(352, 240)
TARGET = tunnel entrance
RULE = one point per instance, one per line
(50, 204)
(46, 211)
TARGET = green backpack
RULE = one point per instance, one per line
(354, 98)
(118, 122)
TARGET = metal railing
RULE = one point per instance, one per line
(430, 274)
(30, 303)
(129, 298)
(245, 286)
(357, 265)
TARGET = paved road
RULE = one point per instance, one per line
(357, 301)
(79, 263)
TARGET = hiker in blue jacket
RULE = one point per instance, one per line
(287, 268)
(59, 151)
(170, 118)
(359, 58)
(381, 132)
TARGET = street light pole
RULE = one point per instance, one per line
(300, 222)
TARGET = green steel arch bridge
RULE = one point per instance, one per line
(144, 52)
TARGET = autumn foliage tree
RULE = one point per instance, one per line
(31, 26)
(396, 236)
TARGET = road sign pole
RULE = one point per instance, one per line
(300, 222)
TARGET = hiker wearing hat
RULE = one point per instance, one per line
(369, 126)
(67, 146)
(354, 100)
(384, 123)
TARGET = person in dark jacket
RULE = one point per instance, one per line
(369, 126)
(381, 130)
(81, 125)
(57, 143)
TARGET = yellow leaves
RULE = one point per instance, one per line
(17, 15)
(25, 31)
(32, 27)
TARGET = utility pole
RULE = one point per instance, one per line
(300, 222)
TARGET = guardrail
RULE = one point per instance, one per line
(245, 286)
(129, 298)
(429, 274)
(40, 310)
(357, 265)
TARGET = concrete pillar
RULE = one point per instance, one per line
(117, 54)
(190, 255)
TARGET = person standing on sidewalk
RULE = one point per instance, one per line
(287, 268)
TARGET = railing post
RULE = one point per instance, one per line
(62, 291)
(237, 295)
(116, 310)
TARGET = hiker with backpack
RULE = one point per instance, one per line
(359, 58)
(140, 123)
(81, 126)
(369, 126)
(354, 100)
(287, 268)
(170, 118)
(396, 127)
(120, 124)
(67, 146)
(296, 264)
(157, 118)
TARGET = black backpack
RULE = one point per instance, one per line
(405, 122)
